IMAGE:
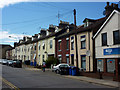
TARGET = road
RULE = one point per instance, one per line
(23, 78)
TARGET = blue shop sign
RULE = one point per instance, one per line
(111, 51)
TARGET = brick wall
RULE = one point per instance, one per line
(64, 50)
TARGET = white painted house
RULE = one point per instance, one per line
(107, 46)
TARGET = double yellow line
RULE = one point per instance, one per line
(10, 84)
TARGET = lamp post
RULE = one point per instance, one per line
(14, 37)
(15, 48)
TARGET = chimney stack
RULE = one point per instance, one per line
(110, 8)
(107, 3)
(36, 35)
(15, 44)
(111, 4)
(115, 6)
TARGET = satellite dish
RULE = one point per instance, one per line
(104, 12)
(88, 53)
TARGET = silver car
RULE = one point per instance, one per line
(4, 62)
(1, 60)
(57, 68)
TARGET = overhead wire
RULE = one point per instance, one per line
(33, 23)
(50, 4)
(33, 20)
(25, 9)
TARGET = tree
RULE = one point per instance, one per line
(51, 60)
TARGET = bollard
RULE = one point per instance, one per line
(100, 74)
(99, 70)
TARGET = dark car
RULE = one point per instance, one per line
(17, 63)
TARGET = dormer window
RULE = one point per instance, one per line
(56, 29)
(32, 38)
(47, 32)
(88, 22)
(39, 36)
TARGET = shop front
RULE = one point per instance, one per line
(109, 65)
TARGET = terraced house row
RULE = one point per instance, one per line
(93, 46)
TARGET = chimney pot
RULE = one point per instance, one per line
(116, 5)
(111, 4)
(107, 3)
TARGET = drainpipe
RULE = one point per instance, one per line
(89, 48)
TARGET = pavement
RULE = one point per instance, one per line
(82, 78)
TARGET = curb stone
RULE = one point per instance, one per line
(101, 82)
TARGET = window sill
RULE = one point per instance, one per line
(104, 45)
(82, 48)
(116, 43)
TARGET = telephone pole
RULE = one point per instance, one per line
(75, 37)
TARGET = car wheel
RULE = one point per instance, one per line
(57, 71)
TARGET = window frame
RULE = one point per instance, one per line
(116, 41)
(59, 45)
(51, 44)
(82, 61)
(67, 44)
(84, 36)
(104, 39)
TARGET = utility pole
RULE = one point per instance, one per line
(75, 37)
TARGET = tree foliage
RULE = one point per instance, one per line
(51, 60)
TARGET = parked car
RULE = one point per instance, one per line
(1, 60)
(57, 68)
(9, 63)
(4, 62)
(16, 63)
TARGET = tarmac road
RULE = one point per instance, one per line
(23, 78)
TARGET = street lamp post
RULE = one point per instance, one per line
(15, 48)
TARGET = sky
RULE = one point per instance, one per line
(20, 18)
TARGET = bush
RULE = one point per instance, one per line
(51, 60)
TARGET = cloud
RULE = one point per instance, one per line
(9, 41)
(4, 3)
(6, 37)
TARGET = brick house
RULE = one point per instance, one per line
(62, 44)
